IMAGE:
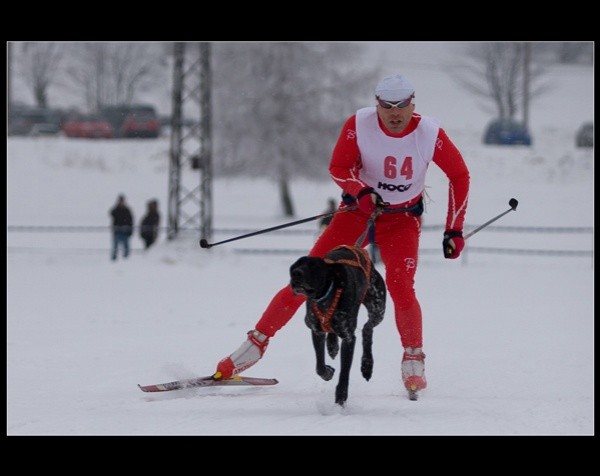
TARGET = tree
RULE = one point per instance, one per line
(497, 72)
(115, 73)
(39, 64)
(281, 107)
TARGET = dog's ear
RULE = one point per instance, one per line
(299, 262)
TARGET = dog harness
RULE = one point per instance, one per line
(364, 264)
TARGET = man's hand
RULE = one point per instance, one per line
(369, 200)
(453, 244)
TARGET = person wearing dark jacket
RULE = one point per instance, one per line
(122, 227)
(149, 224)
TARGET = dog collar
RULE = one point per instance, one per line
(326, 295)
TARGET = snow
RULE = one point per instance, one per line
(508, 337)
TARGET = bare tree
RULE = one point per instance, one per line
(39, 64)
(495, 71)
(281, 107)
(114, 73)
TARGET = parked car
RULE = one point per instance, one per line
(44, 129)
(89, 126)
(506, 132)
(137, 120)
(33, 121)
(585, 135)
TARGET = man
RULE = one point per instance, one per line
(122, 227)
(380, 162)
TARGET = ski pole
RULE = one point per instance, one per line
(513, 202)
(206, 244)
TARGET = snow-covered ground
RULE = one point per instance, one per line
(509, 338)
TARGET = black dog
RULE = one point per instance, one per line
(335, 287)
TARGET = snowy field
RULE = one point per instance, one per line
(509, 337)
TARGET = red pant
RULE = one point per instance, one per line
(397, 237)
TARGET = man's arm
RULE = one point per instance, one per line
(448, 158)
(345, 160)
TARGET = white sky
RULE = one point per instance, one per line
(509, 338)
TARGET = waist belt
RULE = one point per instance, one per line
(416, 209)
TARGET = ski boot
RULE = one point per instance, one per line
(413, 371)
(245, 357)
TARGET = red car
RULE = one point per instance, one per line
(133, 120)
(141, 124)
(89, 126)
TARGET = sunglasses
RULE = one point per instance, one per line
(398, 104)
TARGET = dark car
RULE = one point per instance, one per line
(88, 126)
(44, 129)
(506, 132)
(133, 121)
(585, 135)
(32, 121)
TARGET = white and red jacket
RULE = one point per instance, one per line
(395, 165)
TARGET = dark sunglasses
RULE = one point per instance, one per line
(398, 104)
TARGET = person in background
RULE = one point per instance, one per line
(326, 220)
(380, 162)
(122, 227)
(149, 225)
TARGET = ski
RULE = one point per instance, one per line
(207, 381)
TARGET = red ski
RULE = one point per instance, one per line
(207, 381)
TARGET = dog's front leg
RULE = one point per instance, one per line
(324, 371)
(346, 356)
(366, 366)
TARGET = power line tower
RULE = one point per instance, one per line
(190, 158)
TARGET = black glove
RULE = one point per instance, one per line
(453, 244)
(368, 200)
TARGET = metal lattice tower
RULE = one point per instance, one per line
(190, 200)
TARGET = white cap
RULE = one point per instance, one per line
(394, 88)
